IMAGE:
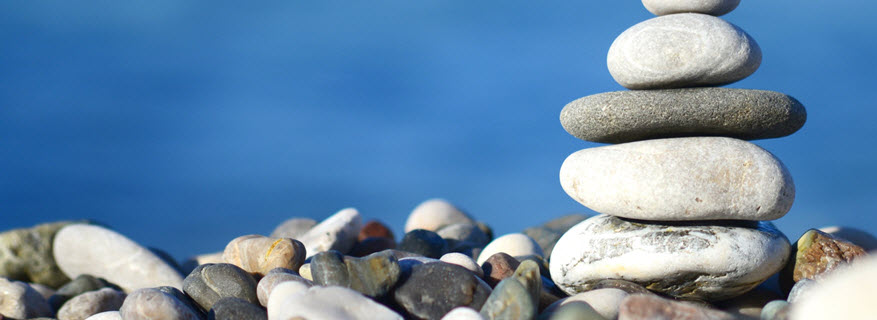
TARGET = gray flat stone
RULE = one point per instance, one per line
(150, 303)
(625, 116)
(682, 50)
(699, 178)
(710, 7)
(210, 282)
(710, 261)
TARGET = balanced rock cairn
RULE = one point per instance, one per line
(684, 199)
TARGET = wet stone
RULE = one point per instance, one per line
(210, 282)
(447, 286)
(818, 253)
(26, 255)
(424, 242)
(230, 308)
(258, 254)
(81, 284)
(91, 303)
(373, 275)
(150, 303)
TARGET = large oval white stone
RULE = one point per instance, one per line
(100, 252)
(710, 7)
(700, 178)
(682, 50)
(690, 259)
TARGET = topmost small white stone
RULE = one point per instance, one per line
(710, 7)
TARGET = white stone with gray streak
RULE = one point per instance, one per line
(699, 178)
(338, 232)
(699, 260)
(710, 7)
(682, 50)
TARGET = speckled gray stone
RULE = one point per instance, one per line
(625, 116)
(210, 282)
(373, 275)
(150, 303)
(710, 7)
(230, 308)
(698, 178)
(91, 303)
(682, 50)
(445, 286)
(692, 260)
(516, 297)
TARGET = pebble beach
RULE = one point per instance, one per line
(683, 230)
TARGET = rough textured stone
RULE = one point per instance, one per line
(424, 242)
(26, 255)
(80, 285)
(275, 277)
(373, 275)
(371, 245)
(446, 286)
(230, 308)
(817, 253)
(373, 229)
(463, 261)
(626, 116)
(100, 252)
(210, 282)
(846, 293)
(682, 50)
(434, 214)
(604, 302)
(20, 301)
(692, 260)
(710, 7)
(150, 304)
(91, 303)
(637, 307)
(338, 232)
(547, 234)
(775, 310)
(293, 228)
(516, 297)
(858, 237)
(514, 244)
(292, 300)
(699, 178)
(258, 254)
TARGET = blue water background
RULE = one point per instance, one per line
(185, 124)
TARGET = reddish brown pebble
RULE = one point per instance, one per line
(371, 245)
(499, 266)
(818, 253)
(647, 306)
(374, 229)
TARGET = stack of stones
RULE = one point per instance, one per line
(684, 199)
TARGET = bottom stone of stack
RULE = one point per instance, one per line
(704, 260)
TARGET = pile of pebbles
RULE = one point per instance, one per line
(682, 233)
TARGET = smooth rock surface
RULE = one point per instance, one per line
(547, 234)
(710, 7)
(150, 304)
(91, 303)
(434, 214)
(272, 279)
(185, 299)
(698, 178)
(626, 116)
(463, 261)
(516, 297)
(498, 267)
(80, 285)
(817, 254)
(460, 234)
(100, 252)
(775, 310)
(638, 307)
(682, 50)
(424, 242)
(463, 313)
(444, 286)
(293, 228)
(231, 308)
(604, 302)
(800, 289)
(576, 310)
(513, 244)
(749, 305)
(26, 255)
(210, 282)
(375, 228)
(687, 260)
(107, 315)
(846, 293)
(193, 262)
(259, 254)
(373, 275)
(338, 232)
(292, 300)
(20, 301)
(371, 245)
